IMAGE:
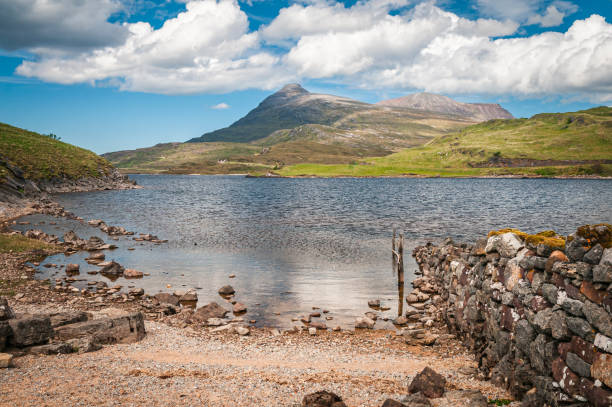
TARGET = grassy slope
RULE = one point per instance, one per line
(41, 157)
(20, 243)
(584, 135)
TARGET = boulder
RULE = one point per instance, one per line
(226, 290)
(506, 244)
(593, 256)
(555, 257)
(322, 399)
(393, 403)
(606, 257)
(602, 273)
(211, 310)
(601, 369)
(67, 317)
(598, 317)
(126, 328)
(61, 348)
(30, 330)
(428, 382)
(189, 296)
(364, 323)
(167, 298)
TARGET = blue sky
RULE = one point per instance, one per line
(122, 74)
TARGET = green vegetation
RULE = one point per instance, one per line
(567, 144)
(45, 157)
(500, 402)
(20, 243)
(601, 233)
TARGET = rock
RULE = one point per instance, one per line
(372, 315)
(125, 328)
(507, 244)
(575, 247)
(312, 331)
(167, 298)
(72, 268)
(555, 257)
(567, 379)
(392, 403)
(211, 310)
(374, 303)
(549, 291)
(542, 321)
(558, 326)
(364, 323)
(6, 360)
(136, 292)
(61, 348)
(83, 345)
(512, 274)
(226, 290)
(578, 365)
(602, 273)
(322, 399)
(30, 330)
(598, 317)
(5, 310)
(112, 269)
(471, 398)
(318, 325)
(601, 369)
(215, 322)
(606, 258)
(580, 327)
(524, 334)
(593, 256)
(131, 273)
(189, 296)
(428, 382)
(603, 342)
(242, 330)
(68, 317)
(416, 400)
(401, 320)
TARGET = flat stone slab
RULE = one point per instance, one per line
(118, 329)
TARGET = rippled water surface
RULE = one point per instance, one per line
(298, 243)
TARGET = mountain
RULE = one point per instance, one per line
(290, 107)
(442, 104)
(547, 144)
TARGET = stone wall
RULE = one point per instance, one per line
(538, 317)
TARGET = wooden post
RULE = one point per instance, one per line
(398, 268)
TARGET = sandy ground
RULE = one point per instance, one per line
(174, 366)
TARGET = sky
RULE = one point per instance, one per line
(111, 75)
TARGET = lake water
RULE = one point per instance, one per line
(294, 244)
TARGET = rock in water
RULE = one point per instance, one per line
(428, 382)
(364, 323)
(167, 298)
(239, 308)
(226, 290)
(212, 310)
(72, 268)
(374, 303)
(322, 399)
(131, 273)
(112, 268)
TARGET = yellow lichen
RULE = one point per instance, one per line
(549, 238)
(600, 233)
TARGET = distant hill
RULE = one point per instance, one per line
(548, 144)
(442, 104)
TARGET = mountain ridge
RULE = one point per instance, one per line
(443, 104)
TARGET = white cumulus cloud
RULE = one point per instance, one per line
(220, 106)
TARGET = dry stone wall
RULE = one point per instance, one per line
(539, 318)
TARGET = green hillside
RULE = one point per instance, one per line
(556, 144)
(42, 157)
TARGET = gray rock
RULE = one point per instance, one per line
(68, 317)
(606, 257)
(580, 327)
(211, 310)
(572, 306)
(507, 244)
(167, 298)
(558, 326)
(524, 334)
(416, 400)
(542, 352)
(471, 398)
(83, 345)
(30, 330)
(120, 329)
(575, 247)
(593, 256)
(542, 321)
(112, 269)
(602, 273)
(550, 292)
(578, 365)
(61, 348)
(598, 317)
(543, 250)
(507, 298)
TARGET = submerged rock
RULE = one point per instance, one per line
(226, 290)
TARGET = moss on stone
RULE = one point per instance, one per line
(600, 233)
(549, 238)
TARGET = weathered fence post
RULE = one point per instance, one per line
(398, 267)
